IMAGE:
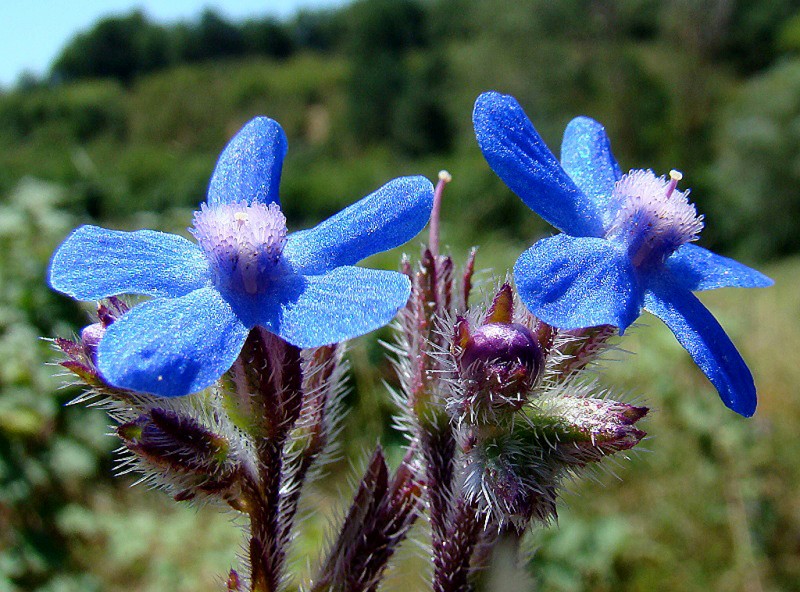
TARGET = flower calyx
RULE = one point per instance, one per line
(188, 455)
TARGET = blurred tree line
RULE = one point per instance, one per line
(125, 47)
(125, 130)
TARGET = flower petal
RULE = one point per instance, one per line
(696, 268)
(315, 310)
(249, 168)
(702, 336)
(94, 263)
(172, 346)
(518, 155)
(385, 219)
(586, 157)
(575, 282)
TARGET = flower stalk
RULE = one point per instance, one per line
(267, 379)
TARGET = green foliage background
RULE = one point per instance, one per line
(125, 133)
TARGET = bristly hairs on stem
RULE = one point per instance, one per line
(383, 510)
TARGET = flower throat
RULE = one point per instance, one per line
(653, 217)
(243, 243)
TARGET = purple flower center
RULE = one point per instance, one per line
(652, 217)
(243, 243)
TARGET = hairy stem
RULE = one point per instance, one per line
(267, 554)
(268, 379)
(438, 448)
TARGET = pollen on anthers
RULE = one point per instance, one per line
(243, 243)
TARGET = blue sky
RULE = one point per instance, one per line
(32, 33)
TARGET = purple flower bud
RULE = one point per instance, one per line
(90, 338)
(502, 345)
(498, 364)
(81, 355)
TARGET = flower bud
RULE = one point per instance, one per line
(90, 338)
(509, 480)
(592, 428)
(498, 365)
(81, 355)
(514, 474)
(508, 490)
(180, 447)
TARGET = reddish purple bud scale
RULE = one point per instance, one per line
(502, 308)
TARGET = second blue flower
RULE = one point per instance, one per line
(625, 242)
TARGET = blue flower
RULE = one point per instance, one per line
(626, 242)
(244, 271)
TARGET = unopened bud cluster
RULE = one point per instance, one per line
(501, 404)
(526, 415)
